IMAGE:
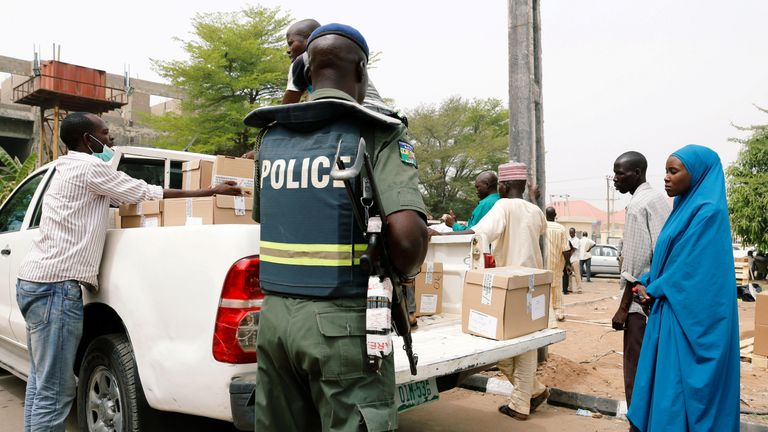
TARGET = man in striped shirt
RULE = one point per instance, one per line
(65, 256)
(646, 213)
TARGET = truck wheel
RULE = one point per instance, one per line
(109, 394)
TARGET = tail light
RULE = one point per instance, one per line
(237, 320)
(490, 262)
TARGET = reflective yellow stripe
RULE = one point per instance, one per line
(317, 247)
(310, 261)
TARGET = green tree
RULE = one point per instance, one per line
(13, 172)
(455, 142)
(236, 63)
(748, 188)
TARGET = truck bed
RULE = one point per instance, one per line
(443, 349)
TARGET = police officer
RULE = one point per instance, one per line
(311, 346)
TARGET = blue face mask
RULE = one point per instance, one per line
(106, 152)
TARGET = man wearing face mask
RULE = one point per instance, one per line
(65, 256)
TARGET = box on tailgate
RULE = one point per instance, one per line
(505, 302)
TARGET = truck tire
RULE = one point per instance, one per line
(109, 394)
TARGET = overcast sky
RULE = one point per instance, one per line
(649, 76)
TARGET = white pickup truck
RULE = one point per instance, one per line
(174, 325)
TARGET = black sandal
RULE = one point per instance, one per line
(505, 409)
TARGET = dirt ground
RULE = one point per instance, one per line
(460, 410)
(590, 359)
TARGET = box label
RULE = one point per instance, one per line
(482, 324)
(528, 297)
(241, 181)
(239, 206)
(150, 222)
(428, 303)
(486, 293)
(430, 269)
(538, 307)
(191, 221)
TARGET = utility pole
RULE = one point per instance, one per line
(526, 131)
(608, 200)
(526, 128)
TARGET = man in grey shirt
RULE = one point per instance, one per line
(646, 213)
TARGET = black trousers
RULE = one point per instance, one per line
(633, 342)
(565, 282)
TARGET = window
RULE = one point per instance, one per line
(610, 252)
(151, 170)
(38, 214)
(13, 212)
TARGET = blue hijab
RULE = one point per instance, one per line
(688, 373)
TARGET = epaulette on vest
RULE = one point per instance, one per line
(308, 116)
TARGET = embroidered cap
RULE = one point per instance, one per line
(513, 171)
(348, 32)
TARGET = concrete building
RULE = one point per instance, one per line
(20, 124)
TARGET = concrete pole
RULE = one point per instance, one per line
(608, 208)
(55, 131)
(526, 126)
(526, 131)
(41, 158)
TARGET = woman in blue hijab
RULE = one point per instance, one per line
(688, 373)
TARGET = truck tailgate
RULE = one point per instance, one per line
(443, 349)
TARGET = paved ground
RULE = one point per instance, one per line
(12, 412)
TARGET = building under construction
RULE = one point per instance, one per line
(36, 96)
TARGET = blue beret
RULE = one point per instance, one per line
(348, 32)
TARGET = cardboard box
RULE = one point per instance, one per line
(196, 174)
(142, 215)
(188, 211)
(761, 324)
(240, 170)
(505, 302)
(429, 289)
(218, 209)
(230, 209)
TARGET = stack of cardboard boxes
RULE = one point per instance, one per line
(498, 303)
(217, 209)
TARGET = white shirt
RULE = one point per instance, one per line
(75, 217)
(516, 226)
(646, 214)
(584, 244)
(575, 255)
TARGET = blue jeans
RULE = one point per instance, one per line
(54, 316)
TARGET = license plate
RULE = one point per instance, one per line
(416, 393)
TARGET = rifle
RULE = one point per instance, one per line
(376, 259)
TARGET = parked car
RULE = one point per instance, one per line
(741, 252)
(605, 260)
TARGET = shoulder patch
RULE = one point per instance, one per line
(407, 155)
